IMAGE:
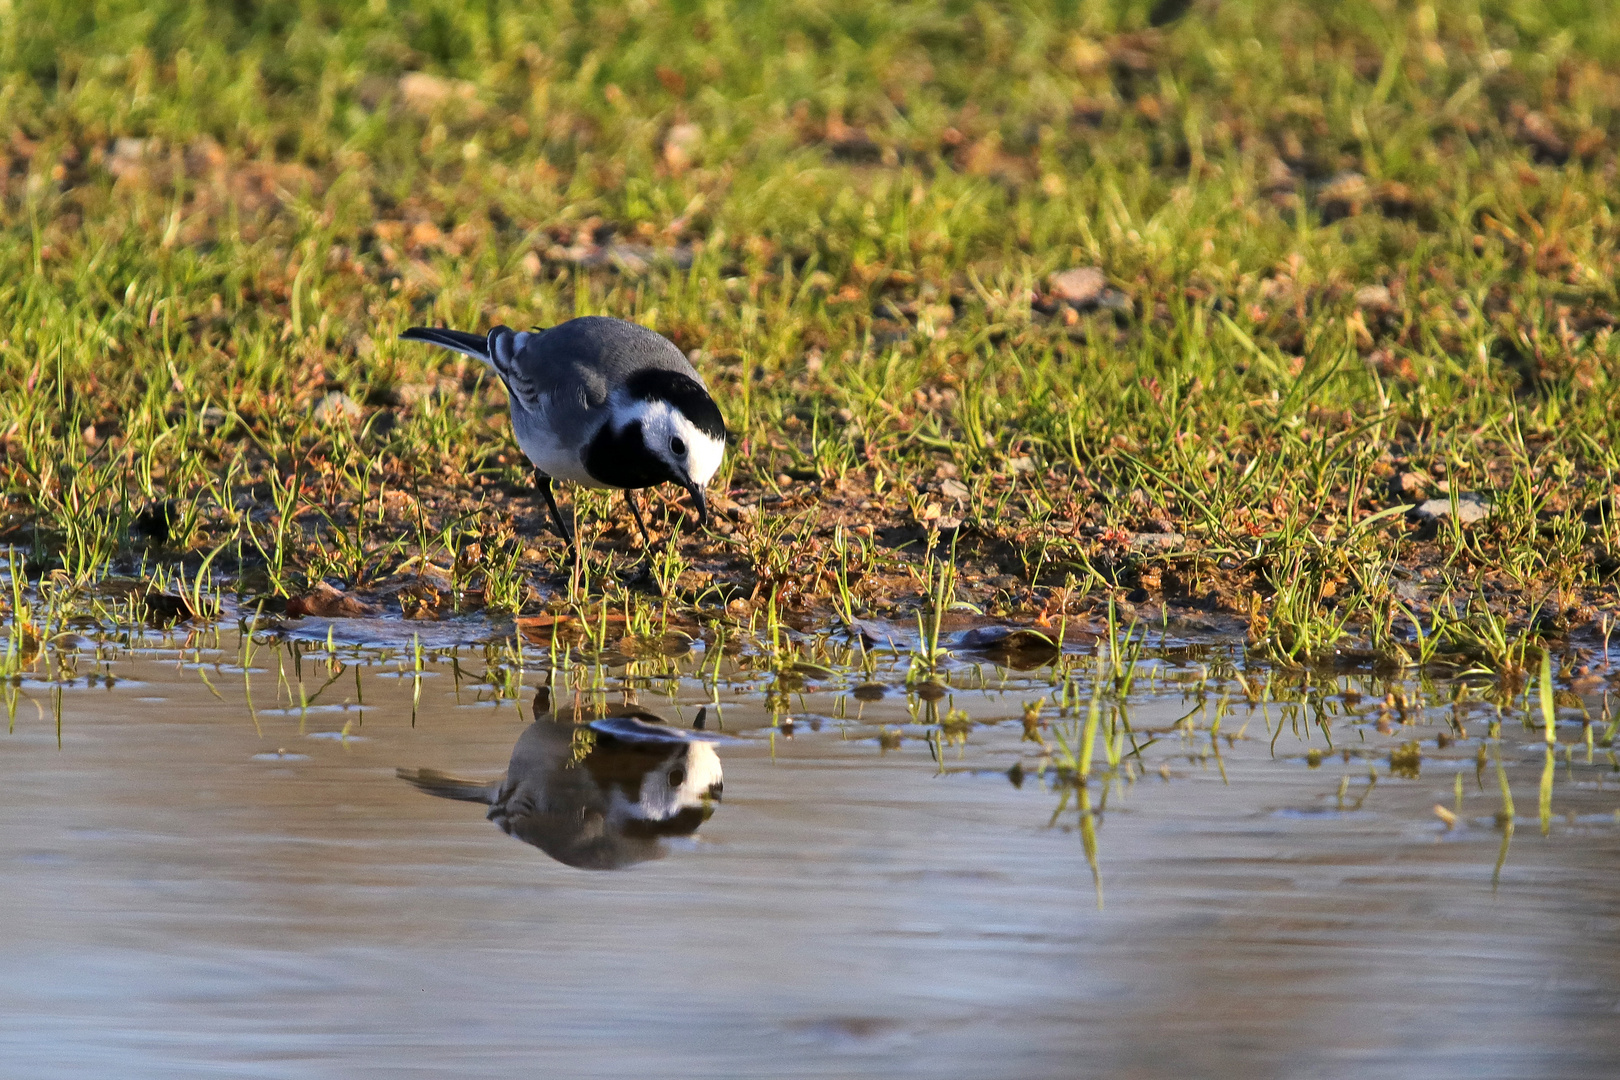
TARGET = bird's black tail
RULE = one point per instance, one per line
(455, 340)
(500, 350)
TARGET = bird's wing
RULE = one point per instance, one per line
(503, 349)
(508, 352)
(571, 368)
(557, 381)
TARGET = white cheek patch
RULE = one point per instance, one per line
(703, 455)
(661, 425)
(698, 772)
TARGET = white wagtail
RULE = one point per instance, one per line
(638, 784)
(604, 403)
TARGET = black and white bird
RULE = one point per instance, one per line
(597, 793)
(602, 402)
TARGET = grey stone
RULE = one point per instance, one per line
(415, 393)
(1374, 298)
(336, 406)
(1539, 132)
(1279, 177)
(627, 257)
(1343, 196)
(425, 94)
(1346, 186)
(954, 489)
(1158, 543)
(1115, 301)
(1080, 286)
(1411, 592)
(1085, 288)
(1470, 508)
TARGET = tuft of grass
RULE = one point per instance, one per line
(1353, 259)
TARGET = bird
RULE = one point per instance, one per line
(604, 403)
(600, 793)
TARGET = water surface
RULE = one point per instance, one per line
(888, 887)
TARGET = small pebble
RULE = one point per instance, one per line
(1374, 298)
(1470, 508)
(1080, 285)
(1158, 542)
(336, 406)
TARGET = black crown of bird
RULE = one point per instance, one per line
(604, 403)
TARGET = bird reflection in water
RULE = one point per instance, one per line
(598, 792)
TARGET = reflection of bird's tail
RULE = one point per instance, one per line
(446, 786)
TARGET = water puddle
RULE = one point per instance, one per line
(326, 850)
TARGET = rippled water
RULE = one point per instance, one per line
(825, 879)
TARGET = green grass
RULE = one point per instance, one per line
(1358, 242)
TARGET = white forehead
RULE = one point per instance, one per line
(661, 423)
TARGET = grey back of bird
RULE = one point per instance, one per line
(565, 375)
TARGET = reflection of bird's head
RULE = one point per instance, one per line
(658, 775)
(600, 795)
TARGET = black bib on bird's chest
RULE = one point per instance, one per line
(621, 459)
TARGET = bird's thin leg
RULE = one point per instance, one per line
(645, 577)
(630, 498)
(543, 482)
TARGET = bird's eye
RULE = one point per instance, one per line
(678, 446)
(677, 777)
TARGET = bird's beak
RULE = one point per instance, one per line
(702, 504)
